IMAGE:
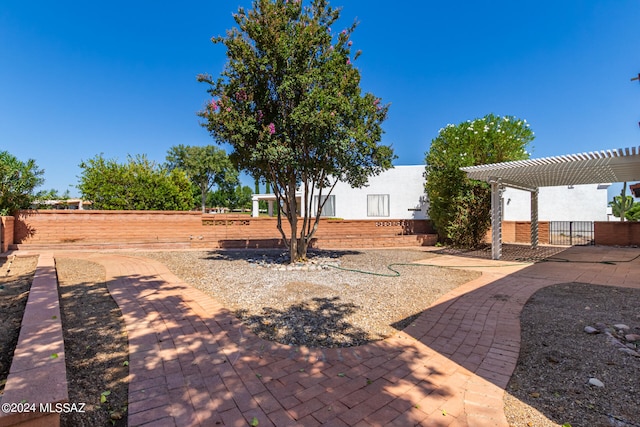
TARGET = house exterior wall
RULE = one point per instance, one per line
(403, 184)
(580, 203)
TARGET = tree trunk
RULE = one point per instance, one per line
(292, 216)
(203, 198)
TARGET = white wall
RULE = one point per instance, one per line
(580, 203)
(403, 184)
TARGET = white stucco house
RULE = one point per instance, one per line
(566, 203)
(399, 193)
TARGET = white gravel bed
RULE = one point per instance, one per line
(325, 307)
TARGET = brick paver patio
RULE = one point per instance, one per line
(193, 364)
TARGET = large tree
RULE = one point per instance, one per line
(205, 166)
(289, 105)
(137, 184)
(460, 208)
(238, 197)
(18, 181)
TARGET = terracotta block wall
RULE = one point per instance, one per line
(7, 232)
(520, 232)
(616, 233)
(194, 228)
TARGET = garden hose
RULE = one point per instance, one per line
(613, 262)
(396, 273)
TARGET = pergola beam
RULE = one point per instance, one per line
(619, 165)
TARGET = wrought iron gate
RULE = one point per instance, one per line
(571, 233)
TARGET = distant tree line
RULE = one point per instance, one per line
(193, 177)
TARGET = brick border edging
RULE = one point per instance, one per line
(38, 372)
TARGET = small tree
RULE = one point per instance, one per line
(459, 207)
(290, 106)
(138, 184)
(205, 166)
(18, 180)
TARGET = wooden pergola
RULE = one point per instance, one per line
(617, 165)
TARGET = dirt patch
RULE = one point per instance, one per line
(550, 385)
(16, 276)
(96, 345)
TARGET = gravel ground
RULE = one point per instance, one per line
(323, 307)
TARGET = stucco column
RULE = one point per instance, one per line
(255, 211)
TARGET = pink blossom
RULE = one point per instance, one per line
(214, 106)
(350, 43)
(228, 109)
(348, 61)
(344, 32)
(260, 115)
(272, 128)
(241, 95)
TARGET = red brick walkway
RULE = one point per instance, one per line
(193, 364)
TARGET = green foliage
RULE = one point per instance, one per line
(621, 205)
(289, 105)
(138, 184)
(633, 213)
(205, 166)
(459, 207)
(18, 180)
(238, 197)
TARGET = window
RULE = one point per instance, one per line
(377, 205)
(329, 208)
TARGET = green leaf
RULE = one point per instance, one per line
(103, 396)
(125, 363)
(53, 356)
(254, 422)
(341, 374)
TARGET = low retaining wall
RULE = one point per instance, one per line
(617, 233)
(196, 230)
(6, 232)
(38, 375)
(520, 232)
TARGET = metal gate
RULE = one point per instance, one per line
(570, 233)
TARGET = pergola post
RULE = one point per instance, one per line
(496, 219)
(534, 219)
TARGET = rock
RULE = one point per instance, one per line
(595, 382)
(601, 326)
(621, 326)
(632, 337)
(591, 330)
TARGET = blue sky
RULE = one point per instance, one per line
(119, 77)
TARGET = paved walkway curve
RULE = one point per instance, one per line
(193, 364)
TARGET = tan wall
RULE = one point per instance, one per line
(617, 233)
(7, 232)
(193, 228)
